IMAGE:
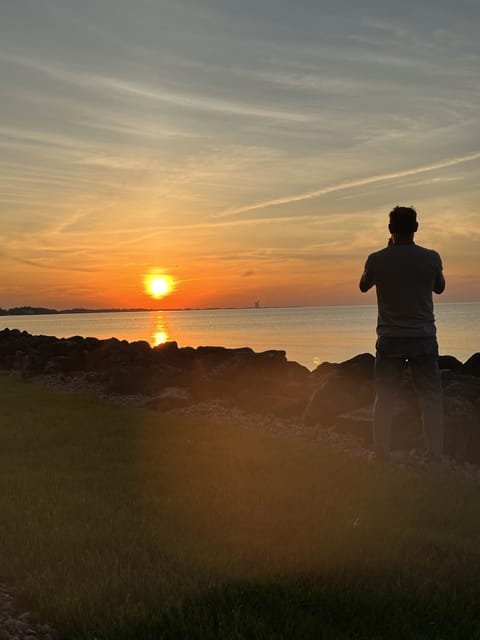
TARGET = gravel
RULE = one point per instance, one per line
(20, 626)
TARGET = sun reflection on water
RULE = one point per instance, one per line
(159, 337)
(160, 334)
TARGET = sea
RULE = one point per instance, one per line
(309, 335)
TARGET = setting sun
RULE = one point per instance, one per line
(158, 286)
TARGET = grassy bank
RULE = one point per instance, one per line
(121, 523)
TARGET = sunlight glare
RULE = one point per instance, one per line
(158, 286)
(160, 337)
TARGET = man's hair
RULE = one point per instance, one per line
(403, 220)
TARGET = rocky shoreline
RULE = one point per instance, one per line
(260, 388)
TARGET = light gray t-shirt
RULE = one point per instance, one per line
(405, 275)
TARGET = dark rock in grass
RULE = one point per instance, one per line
(170, 398)
(471, 366)
(449, 363)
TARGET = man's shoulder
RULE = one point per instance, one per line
(427, 252)
(378, 254)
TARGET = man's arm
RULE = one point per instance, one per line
(439, 286)
(366, 281)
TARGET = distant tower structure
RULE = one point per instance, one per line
(257, 304)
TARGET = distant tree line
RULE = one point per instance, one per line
(31, 311)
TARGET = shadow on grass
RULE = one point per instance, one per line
(311, 608)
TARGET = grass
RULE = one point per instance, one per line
(122, 523)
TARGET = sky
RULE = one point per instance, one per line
(248, 150)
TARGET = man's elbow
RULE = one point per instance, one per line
(363, 286)
(439, 286)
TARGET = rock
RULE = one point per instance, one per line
(240, 375)
(33, 364)
(63, 364)
(348, 386)
(170, 398)
(127, 381)
(324, 369)
(139, 352)
(471, 366)
(90, 344)
(462, 417)
(297, 373)
(109, 353)
(289, 401)
(449, 362)
(358, 423)
(19, 360)
(166, 350)
(461, 429)
(407, 430)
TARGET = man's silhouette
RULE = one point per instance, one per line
(405, 275)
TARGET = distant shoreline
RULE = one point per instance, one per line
(38, 311)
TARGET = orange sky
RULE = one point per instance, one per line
(248, 155)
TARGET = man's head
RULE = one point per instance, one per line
(403, 221)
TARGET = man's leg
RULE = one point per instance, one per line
(388, 373)
(428, 384)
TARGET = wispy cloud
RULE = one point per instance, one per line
(44, 265)
(308, 195)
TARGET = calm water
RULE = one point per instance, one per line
(309, 335)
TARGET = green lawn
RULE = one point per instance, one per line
(122, 523)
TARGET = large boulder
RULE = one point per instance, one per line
(346, 387)
(449, 363)
(141, 379)
(471, 366)
(139, 352)
(288, 401)
(234, 373)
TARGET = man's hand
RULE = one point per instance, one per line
(366, 282)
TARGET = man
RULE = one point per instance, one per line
(405, 275)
